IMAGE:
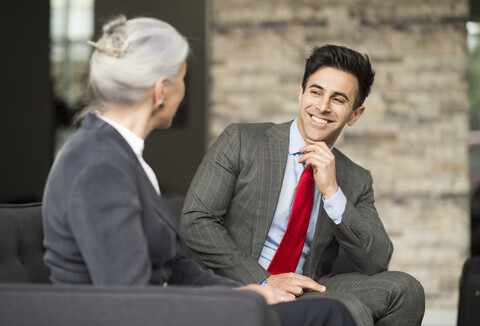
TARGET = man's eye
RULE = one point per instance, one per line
(339, 100)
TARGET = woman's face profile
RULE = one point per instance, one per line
(175, 91)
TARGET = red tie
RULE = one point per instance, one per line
(290, 248)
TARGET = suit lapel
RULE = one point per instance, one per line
(272, 161)
(343, 173)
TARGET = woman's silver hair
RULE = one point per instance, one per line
(129, 58)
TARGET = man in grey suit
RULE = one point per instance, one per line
(238, 206)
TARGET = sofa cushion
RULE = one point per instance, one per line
(21, 244)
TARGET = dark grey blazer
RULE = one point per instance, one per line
(231, 202)
(104, 222)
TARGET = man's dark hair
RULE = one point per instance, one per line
(344, 59)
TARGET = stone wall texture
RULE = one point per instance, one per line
(413, 135)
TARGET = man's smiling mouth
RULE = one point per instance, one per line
(319, 120)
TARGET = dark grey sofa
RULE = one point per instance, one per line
(51, 305)
(27, 298)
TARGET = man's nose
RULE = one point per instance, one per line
(323, 106)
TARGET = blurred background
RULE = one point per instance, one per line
(419, 136)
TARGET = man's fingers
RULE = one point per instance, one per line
(295, 290)
(309, 284)
(315, 161)
(289, 297)
(315, 152)
(296, 283)
(320, 143)
(314, 286)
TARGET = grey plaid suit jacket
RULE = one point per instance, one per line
(232, 200)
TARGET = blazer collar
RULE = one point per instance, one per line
(93, 123)
(274, 160)
(279, 133)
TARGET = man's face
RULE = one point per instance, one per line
(326, 105)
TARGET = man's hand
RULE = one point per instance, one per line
(294, 284)
(322, 160)
(270, 294)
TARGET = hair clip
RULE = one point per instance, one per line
(112, 46)
(113, 42)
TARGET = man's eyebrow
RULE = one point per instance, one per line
(336, 93)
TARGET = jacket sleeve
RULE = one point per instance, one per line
(206, 204)
(187, 272)
(362, 234)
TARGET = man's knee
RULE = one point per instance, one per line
(349, 302)
(407, 298)
(407, 286)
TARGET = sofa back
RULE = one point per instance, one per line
(21, 244)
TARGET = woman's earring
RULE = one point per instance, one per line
(161, 105)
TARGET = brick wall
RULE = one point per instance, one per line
(413, 135)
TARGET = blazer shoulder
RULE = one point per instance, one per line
(89, 148)
(255, 130)
(344, 162)
(249, 127)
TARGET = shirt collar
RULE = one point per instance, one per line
(296, 139)
(135, 141)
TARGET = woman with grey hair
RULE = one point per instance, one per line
(105, 221)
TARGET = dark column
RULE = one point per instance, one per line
(26, 115)
(174, 154)
(475, 10)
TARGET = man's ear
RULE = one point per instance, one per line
(160, 91)
(355, 115)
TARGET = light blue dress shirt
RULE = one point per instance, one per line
(335, 206)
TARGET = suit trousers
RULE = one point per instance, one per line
(387, 298)
(314, 312)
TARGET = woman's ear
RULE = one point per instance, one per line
(159, 92)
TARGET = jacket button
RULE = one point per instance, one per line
(355, 231)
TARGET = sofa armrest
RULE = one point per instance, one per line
(54, 305)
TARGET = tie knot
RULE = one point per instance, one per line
(308, 172)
